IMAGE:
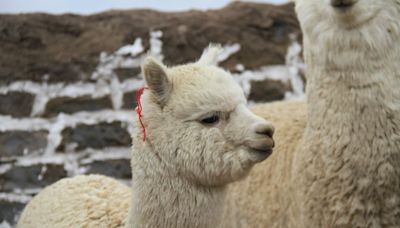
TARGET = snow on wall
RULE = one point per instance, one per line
(290, 72)
(108, 84)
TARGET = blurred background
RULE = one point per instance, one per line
(69, 71)
(96, 6)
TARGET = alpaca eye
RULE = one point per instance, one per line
(210, 120)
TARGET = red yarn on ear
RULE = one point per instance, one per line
(139, 110)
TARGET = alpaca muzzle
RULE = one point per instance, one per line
(343, 4)
(263, 142)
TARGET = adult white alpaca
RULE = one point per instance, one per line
(200, 136)
(342, 167)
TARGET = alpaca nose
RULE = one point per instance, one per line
(265, 129)
(343, 3)
(261, 142)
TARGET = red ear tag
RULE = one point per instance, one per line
(138, 109)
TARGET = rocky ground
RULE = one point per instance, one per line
(67, 83)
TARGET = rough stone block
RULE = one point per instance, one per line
(16, 104)
(96, 136)
(126, 73)
(35, 176)
(10, 211)
(117, 168)
(129, 100)
(70, 105)
(267, 90)
(18, 143)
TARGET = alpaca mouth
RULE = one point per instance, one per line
(261, 148)
(351, 21)
(343, 4)
(262, 153)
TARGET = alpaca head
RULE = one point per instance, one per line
(346, 16)
(345, 33)
(198, 124)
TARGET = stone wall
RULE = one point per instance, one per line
(68, 82)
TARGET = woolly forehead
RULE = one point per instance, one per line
(321, 15)
(373, 25)
(200, 89)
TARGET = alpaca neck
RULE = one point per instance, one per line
(349, 166)
(361, 95)
(164, 199)
(354, 87)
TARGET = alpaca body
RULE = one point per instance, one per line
(344, 171)
(348, 169)
(267, 186)
(74, 200)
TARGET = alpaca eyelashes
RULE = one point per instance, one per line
(210, 120)
(214, 118)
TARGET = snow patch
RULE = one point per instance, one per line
(5, 224)
(116, 93)
(131, 85)
(227, 51)
(5, 168)
(42, 172)
(107, 154)
(40, 160)
(133, 49)
(295, 66)
(156, 44)
(9, 123)
(10, 197)
(239, 67)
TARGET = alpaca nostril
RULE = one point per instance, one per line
(343, 3)
(265, 129)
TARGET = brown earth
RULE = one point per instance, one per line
(66, 47)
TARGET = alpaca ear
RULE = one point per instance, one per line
(210, 55)
(157, 80)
